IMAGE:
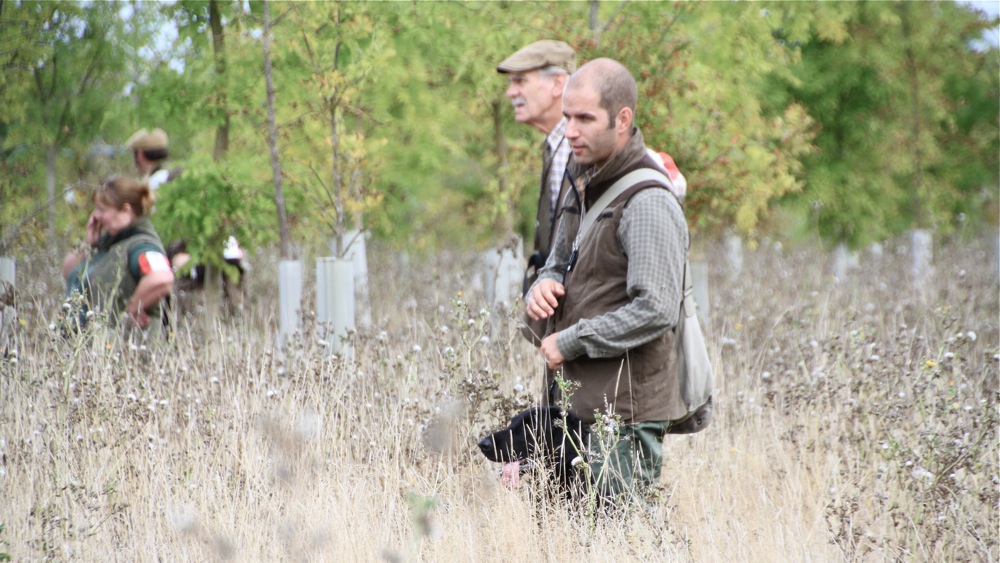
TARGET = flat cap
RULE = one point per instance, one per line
(143, 140)
(538, 55)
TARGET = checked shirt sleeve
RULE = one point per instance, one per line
(653, 234)
(555, 265)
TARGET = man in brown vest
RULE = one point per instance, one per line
(536, 75)
(615, 301)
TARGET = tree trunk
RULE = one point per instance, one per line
(593, 22)
(912, 72)
(272, 136)
(338, 185)
(218, 36)
(357, 190)
(500, 147)
(594, 19)
(339, 225)
(50, 192)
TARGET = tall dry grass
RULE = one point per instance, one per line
(856, 420)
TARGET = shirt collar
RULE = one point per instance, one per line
(556, 136)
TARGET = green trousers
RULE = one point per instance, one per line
(627, 462)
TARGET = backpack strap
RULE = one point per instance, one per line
(617, 189)
(688, 307)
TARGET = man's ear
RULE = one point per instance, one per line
(623, 123)
(558, 84)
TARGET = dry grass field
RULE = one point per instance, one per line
(856, 420)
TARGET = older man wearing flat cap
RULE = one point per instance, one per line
(149, 149)
(536, 75)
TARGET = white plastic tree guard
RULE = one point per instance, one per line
(8, 278)
(503, 274)
(922, 255)
(290, 298)
(876, 251)
(845, 261)
(734, 254)
(488, 266)
(335, 310)
(996, 258)
(358, 255)
(8, 270)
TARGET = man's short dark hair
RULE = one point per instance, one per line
(613, 83)
(618, 90)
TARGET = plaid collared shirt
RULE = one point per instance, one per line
(560, 158)
(653, 234)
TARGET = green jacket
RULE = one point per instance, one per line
(104, 278)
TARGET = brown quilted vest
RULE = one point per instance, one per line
(640, 385)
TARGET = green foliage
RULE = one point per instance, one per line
(907, 137)
(330, 53)
(701, 91)
(206, 205)
(859, 120)
(61, 75)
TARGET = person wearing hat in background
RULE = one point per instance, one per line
(149, 150)
(536, 75)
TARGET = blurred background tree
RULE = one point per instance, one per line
(893, 88)
(854, 122)
(63, 69)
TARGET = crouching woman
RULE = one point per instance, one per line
(122, 268)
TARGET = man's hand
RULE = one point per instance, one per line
(137, 320)
(544, 299)
(550, 352)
